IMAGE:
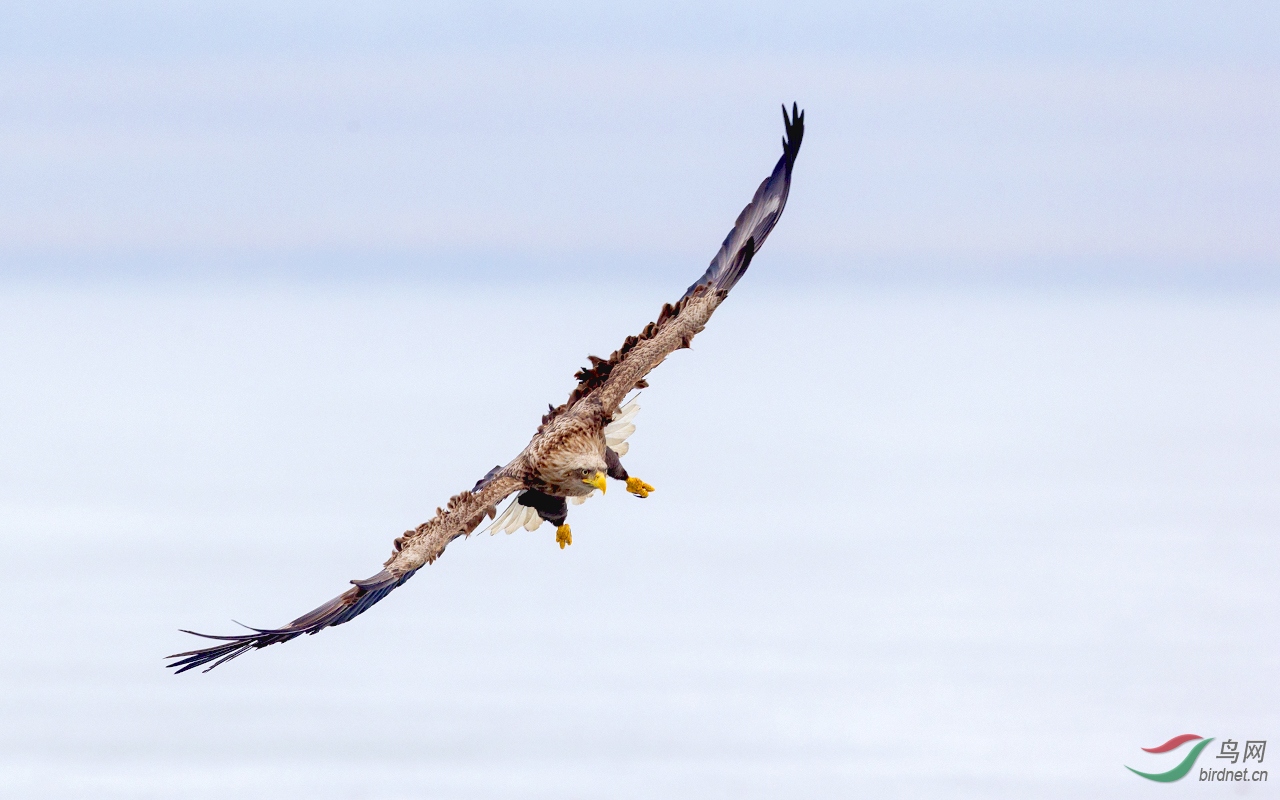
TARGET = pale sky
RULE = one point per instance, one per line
(1132, 142)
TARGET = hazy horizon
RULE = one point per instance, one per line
(1101, 142)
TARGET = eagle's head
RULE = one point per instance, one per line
(576, 468)
(591, 476)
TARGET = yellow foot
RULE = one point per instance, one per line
(564, 536)
(638, 487)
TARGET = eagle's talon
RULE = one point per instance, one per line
(638, 487)
(564, 536)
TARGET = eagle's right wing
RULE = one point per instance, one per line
(414, 549)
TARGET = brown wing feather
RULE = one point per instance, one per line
(688, 319)
(614, 377)
(414, 549)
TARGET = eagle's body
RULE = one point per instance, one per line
(565, 451)
(577, 445)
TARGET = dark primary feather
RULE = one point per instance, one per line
(343, 608)
(758, 218)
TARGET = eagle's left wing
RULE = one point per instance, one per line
(612, 379)
(414, 549)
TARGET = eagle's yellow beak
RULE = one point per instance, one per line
(597, 481)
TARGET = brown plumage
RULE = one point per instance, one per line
(568, 455)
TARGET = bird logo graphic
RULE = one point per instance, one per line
(1184, 766)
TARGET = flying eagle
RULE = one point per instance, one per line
(577, 446)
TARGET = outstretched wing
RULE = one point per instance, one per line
(613, 378)
(755, 222)
(414, 549)
(610, 380)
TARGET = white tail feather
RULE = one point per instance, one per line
(500, 524)
(619, 434)
(626, 413)
(620, 427)
(514, 517)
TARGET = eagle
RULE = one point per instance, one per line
(577, 447)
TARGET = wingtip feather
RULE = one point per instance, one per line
(340, 609)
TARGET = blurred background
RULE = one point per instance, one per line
(970, 489)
